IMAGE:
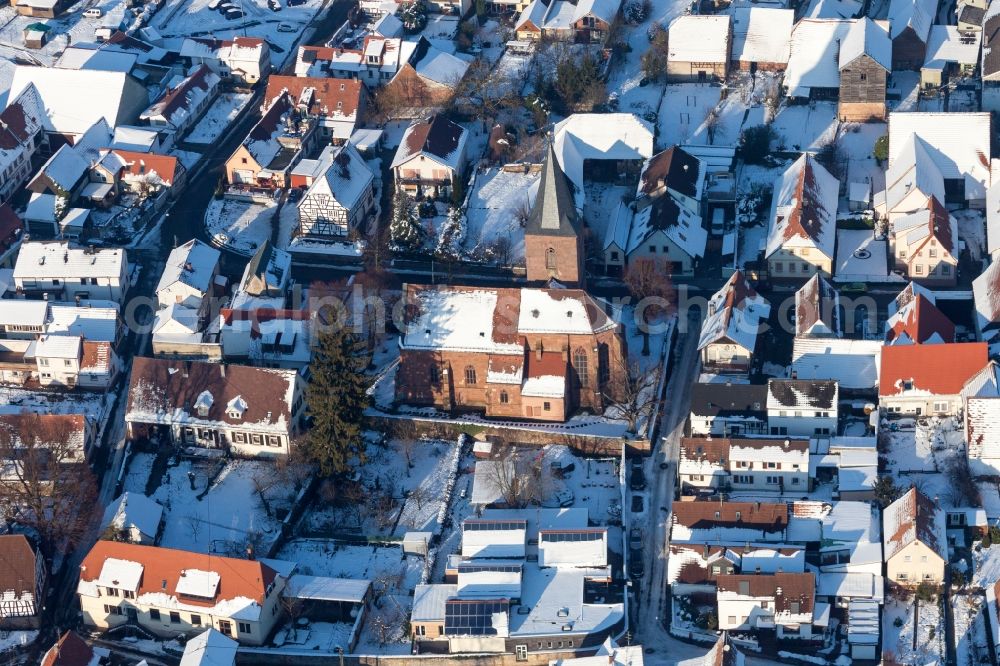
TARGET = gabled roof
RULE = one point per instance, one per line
(804, 208)
(134, 510)
(813, 61)
(990, 66)
(69, 650)
(947, 45)
(762, 34)
(913, 169)
(678, 223)
(11, 227)
(919, 322)
(929, 369)
(554, 212)
(986, 292)
(699, 38)
(865, 37)
(914, 517)
(675, 169)
(852, 363)
(729, 399)
(802, 393)
(345, 176)
(958, 143)
(210, 648)
(735, 312)
(65, 168)
(817, 308)
(437, 66)
(917, 15)
(17, 567)
(784, 588)
(162, 169)
(323, 96)
(192, 264)
(766, 516)
(908, 294)
(439, 138)
(175, 103)
(917, 229)
(19, 123)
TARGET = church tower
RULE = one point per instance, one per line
(553, 235)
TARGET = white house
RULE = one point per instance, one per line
(21, 127)
(246, 59)
(191, 271)
(817, 310)
(763, 465)
(780, 601)
(59, 270)
(134, 518)
(802, 233)
(802, 407)
(728, 409)
(183, 101)
(729, 335)
(341, 199)
(430, 158)
(915, 540)
(928, 379)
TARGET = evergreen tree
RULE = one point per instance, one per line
(449, 247)
(404, 229)
(337, 398)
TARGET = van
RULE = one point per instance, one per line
(94, 13)
(718, 221)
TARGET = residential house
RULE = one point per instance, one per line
(244, 59)
(23, 582)
(919, 322)
(341, 200)
(138, 173)
(534, 353)
(761, 38)
(981, 396)
(553, 234)
(729, 334)
(694, 568)
(274, 145)
(780, 601)
(986, 294)
(699, 47)
(266, 280)
(171, 592)
(989, 65)
(182, 102)
(911, 180)
(189, 276)
(959, 146)
(584, 22)
(927, 379)
(64, 272)
(802, 232)
(914, 540)
(429, 77)
(374, 64)
(266, 338)
(339, 105)
(11, 235)
(40, 8)
(851, 541)
(951, 54)
(911, 22)
(970, 15)
(133, 518)
(753, 465)
(245, 410)
(612, 654)
(63, 174)
(817, 310)
(865, 62)
(430, 158)
(71, 650)
(924, 245)
(728, 409)
(802, 407)
(47, 217)
(21, 133)
(813, 71)
(115, 97)
(69, 360)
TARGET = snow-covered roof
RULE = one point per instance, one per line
(97, 323)
(192, 264)
(813, 61)
(913, 169)
(802, 394)
(817, 309)
(958, 144)
(65, 168)
(678, 223)
(947, 45)
(182, 98)
(866, 37)
(429, 601)
(914, 517)
(853, 585)
(919, 322)
(134, 510)
(599, 136)
(699, 38)
(928, 370)
(833, 9)
(345, 176)
(323, 588)
(437, 66)
(440, 139)
(120, 574)
(17, 312)
(762, 34)
(57, 259)
(804, 208)
(58, 346)
(986, 293)
(735, 312)
(982, 431)
(76, 57)
(852, 363)
(918, 15)
(209, 648)
(75, 99)
(852, 526)
(861, 256)
(19, 123)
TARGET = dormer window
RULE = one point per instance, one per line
(236, 408)
(203, 403)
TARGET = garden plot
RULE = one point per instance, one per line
(972, 230)
(919, 636)
(218, 117)
(971, 646)
(926, 448)
(808, 127)
(240, 226)
(242, 507)
(856, 142)
(683, 111)
(323, 636)
(140, 466)
(498, 204)
(384, 564)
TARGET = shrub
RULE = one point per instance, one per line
(756, 143)
(881, 151)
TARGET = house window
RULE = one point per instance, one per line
(906, 558)
(504, 397)
(940, 406)
(902, 254)
(778, 267)
(923, 558)
(580, 364)
(257, 440)
(945, 269)
(154, 614)
(732, 619)
(863, 76)
(902, 575)
(550, 259)
(175, 617)
(433, 374)
(773, 480)
(470, 375)
(112, 592)
(244, 627)
(932, 252)
(743, 479)
(795, 481)
(68, 363)
(226, 627)
(128, 594)
(239, 438)
(918, 269)
(614, 256)
(793, 606)
(547, 406)
(652, 249)
(770, 465)
(195, 620)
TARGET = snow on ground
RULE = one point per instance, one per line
(926, 448)
(857, 144)
(240, 226)
(376, 562)
(599, 205)
(95, 405)
(10, 640)
(71, 27)
(683, 111)
(498, 201)
(970, 629)
(805, 127)
(905, 85)
(218, 116)
(972, 230)
(929, 630)
(987, 567)
(231, 515)
(322, 636)
(140, 466)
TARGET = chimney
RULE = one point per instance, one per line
(538, 351)
(787, 443)
(222, 370)
(565, 353)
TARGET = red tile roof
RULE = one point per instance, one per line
(939, 369)
(921, 321)
(11, 227)
(138, 164)
(162, 569)
(327, 93)
(70, 650)
(17, 565)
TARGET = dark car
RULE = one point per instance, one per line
(274, 5)
(638, 479)
(635, 539)
(636, 568)
(234, 14)
(637, 504)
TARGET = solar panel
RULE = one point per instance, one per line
(561, 537)
(472, 618)
(493, 525)
(465, 567)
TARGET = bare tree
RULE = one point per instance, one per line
(294, 608)
(407, 447)
(648, 280)
(711, 123)
(517, 478)
(46, 483)
(633, 391)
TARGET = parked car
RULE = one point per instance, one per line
(274, 5)
(234, 14)
(638, 479)
(636, 568)
(637, 503)
(635, 539)
(93, 13)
